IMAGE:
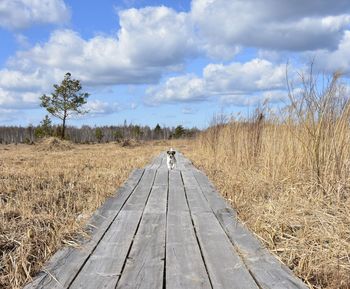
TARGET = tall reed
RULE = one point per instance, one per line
(288, 176)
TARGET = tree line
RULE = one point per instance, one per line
(87, 134)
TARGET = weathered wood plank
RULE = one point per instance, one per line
(67, 262)
(104, 267)
(184, 264)
(137, 201)
(225, 268)
(269, 272)
(145, 263)
(156, 162)
(182, 162)
(176, 199)
(195, 197)
(161, 177)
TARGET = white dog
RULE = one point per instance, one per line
(170, 159)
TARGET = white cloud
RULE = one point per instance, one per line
(156, 36)
(181, 88)
(10, 100)
(98, 107)
(272, 24)
(233, 81)
(150, 42)
(15, 80)
(337, 60)
(256, 74)
(19, 14)
(22, 90)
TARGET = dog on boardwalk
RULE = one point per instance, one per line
(170, 159)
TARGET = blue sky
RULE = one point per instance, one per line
(166, 62)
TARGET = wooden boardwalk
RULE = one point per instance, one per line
(166, 229)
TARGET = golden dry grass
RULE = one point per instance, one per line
(288, 177)
(307, 225)
(48, 191)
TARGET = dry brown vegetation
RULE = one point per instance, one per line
(47, 192)
(288, 176)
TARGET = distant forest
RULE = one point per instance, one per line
(88, 134)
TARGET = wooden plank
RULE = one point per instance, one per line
(176, 199)
(225, 267)
(67, 262)
(182, 162)
(184, 264)
(161, 177)
(269, 272)
(156, 163)
(104, 267)
(145, 263)
(163, 164)
(137, 200)
(195, 197)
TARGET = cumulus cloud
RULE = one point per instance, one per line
(97, 107)
(153, 41)
(19, 14)
(10, 99)
(181, 88)
(256, 74)
(22, 89)
(150, 42)
(272, 24)
(156, 36)
(233, 81)
(21, 81)
(337, 60)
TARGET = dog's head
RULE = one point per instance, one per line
(171, 154)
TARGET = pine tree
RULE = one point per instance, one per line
(44, 129)
(65, 101)
(99, 134)
(157, 131)
(179, 131)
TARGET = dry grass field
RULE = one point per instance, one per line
(266, 171)
(47, 192)
(304, 223)
(286, 174)
(288, 177)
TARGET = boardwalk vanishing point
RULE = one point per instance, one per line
(168, 230)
